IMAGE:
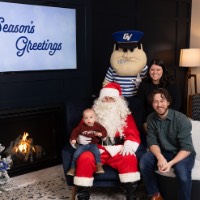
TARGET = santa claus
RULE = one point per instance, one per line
(118, 149)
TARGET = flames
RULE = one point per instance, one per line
(25, 145)
(23, 148)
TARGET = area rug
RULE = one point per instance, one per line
(50, 183)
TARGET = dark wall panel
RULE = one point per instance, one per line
(165, 24)
(31, 92)
(24, 89)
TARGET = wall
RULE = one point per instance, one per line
(29, 89)
(166, 27)
(195, 35)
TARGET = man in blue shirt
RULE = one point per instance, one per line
(170, 145)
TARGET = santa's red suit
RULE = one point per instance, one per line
(120, 156)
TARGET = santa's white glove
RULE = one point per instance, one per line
(83, 140)
(128, 148)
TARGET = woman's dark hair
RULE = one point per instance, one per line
(163, 92)
(166, 77)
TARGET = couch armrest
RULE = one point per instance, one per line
(67, 153)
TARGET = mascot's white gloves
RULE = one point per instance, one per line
(129, 148)
(83, 140)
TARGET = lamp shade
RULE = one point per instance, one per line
(189, 58)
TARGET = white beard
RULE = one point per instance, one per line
(112, 115)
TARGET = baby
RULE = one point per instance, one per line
(89, 128)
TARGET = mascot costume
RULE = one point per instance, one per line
(128, 62)
(128, 68)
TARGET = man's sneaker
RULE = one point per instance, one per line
(71, 172)
(99, 169)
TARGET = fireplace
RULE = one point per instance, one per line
(33, 137)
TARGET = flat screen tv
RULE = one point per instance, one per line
(37, 37)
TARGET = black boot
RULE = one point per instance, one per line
(130, 190)
(83, 193)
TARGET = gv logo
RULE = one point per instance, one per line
(127, 36)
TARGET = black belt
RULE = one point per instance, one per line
(117, 141)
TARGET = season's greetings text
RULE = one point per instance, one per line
(23, 44)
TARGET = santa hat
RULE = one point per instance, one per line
(111, 90)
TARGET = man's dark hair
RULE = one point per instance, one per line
(164, 94)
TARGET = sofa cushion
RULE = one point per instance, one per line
(196, 170)
(196, 137)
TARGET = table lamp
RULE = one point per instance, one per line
(190, 58)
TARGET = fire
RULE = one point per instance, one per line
(23, 147)
(24, 144)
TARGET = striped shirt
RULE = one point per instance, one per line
(129, 84)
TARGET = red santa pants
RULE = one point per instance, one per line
(127, 167)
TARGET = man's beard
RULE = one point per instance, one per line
(111, 115)
(163, 113)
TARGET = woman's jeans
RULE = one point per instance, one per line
(148, 165)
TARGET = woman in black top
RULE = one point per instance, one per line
(157, 77)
